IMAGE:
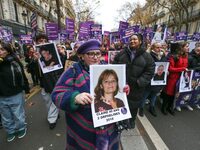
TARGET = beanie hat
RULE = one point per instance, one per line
(88, 46)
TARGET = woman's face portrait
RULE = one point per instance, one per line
(160, 70)
(186, 48)
(46, 54)
(92, 57)
(134, 42)
(3, 52)
(109, 84)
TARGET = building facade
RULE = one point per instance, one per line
(158, 14)
(16, 14)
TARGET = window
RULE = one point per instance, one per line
(12, 10)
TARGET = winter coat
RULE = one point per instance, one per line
(175, 69)
(194, 61)
(81, 133)
(12, 77)
(139, 73)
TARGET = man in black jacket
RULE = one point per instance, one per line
(140, 68)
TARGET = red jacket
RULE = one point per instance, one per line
(175, 69)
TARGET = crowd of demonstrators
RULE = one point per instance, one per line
(13, 83)
(72, 94)
(139, 71)
(152, 91)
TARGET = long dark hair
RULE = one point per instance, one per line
(99, 91)
(177, 50)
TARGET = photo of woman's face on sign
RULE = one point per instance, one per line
(106, 87)
(160, 75)
(106, 90)
(49, 57)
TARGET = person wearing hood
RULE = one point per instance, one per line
(13, 83)
(140, 68)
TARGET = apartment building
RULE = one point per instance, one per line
(16, 14)
(161, 15)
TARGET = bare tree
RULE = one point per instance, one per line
(57, 9)
(58, 13)
(124, 13)
(178, 10)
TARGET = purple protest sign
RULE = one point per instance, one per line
(84, 29)
(26, 39)
(114, 36)
(96, 31)
(196, 88)
(196, 36)
(179, 36)
(6, 34)
(122, 26)
(71, 36)
(147, 34)
(52, 31)
(69, 25)
(191, 97)
(63, 37)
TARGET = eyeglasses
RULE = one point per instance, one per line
(93, 54)
(109, 82)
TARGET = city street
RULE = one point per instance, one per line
(179, 132)
(39, 136)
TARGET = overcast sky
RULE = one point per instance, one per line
(107, 12)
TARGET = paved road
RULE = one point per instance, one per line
(179, 132)
(39, 136)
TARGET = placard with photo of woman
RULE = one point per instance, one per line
(109, 101)
(160, 75)
(49, 58)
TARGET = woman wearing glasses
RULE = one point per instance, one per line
(106, 90)
(72, 94)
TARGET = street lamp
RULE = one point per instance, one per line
(24, 15)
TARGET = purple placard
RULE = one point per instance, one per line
(96, 31)
(196, 88)
(196, 36)
(179, 36)
(191, 97)
(114, 37)
(71, 36)
(52, 31)
(147, 34)
(6, 34)
(63, 37)
(26, 39)
(69, 25)
(122, 26)
(84, 30)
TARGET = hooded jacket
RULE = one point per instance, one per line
(12, 77)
